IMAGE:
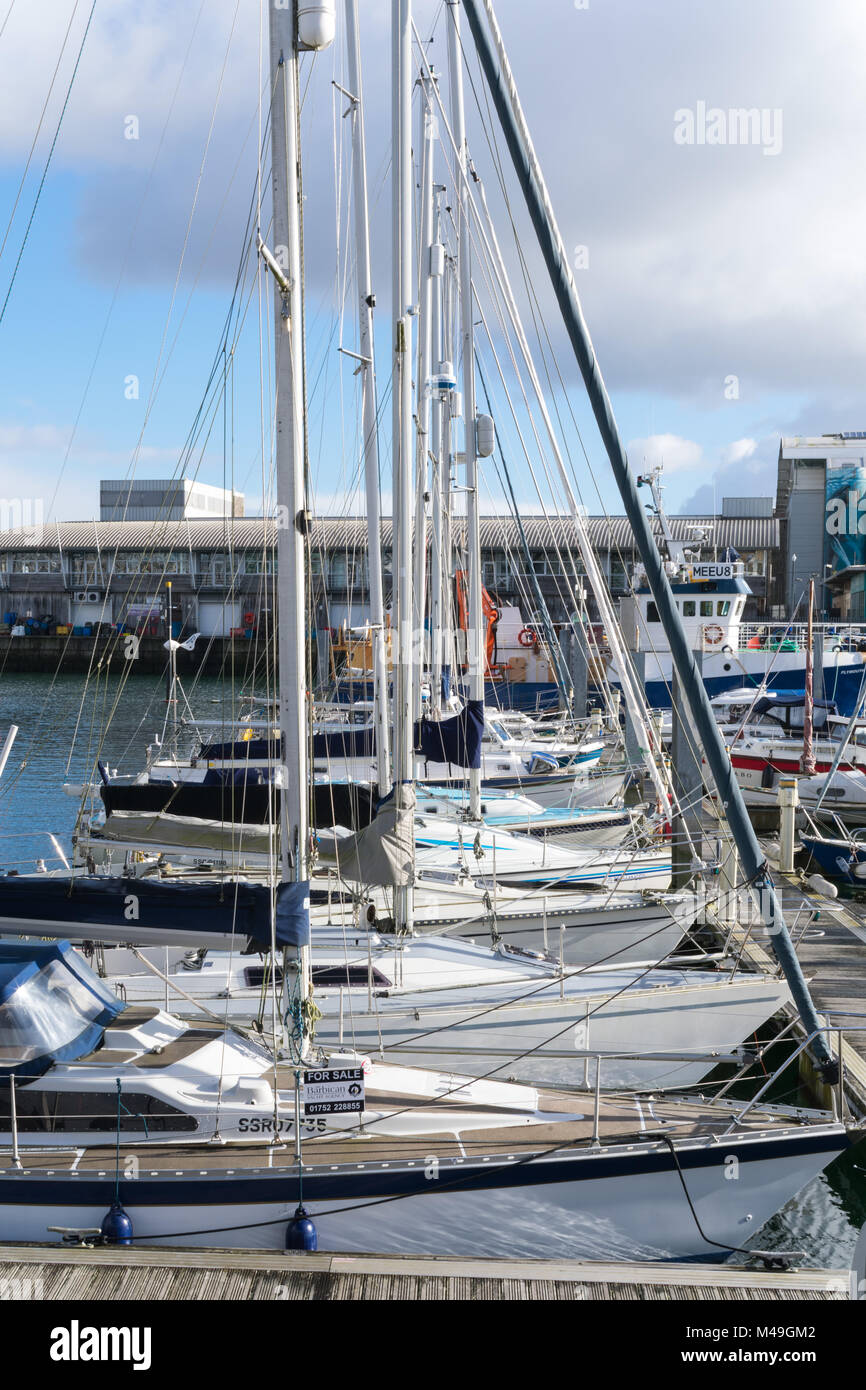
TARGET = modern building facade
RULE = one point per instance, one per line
(165, 499)
(820, 486)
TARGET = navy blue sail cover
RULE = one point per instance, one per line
(257, 748)
(53, 1007)
(144, 908)
(237, 777)
(293, 914)
(244, 802)
(456, 740)
(347, 742)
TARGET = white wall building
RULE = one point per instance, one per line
(165, 499)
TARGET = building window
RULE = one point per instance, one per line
(257, 563)
(618, 576)
(85, 570)
(347, 571)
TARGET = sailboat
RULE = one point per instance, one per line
(456, 1005)
(120, 1120)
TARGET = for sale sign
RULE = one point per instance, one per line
(334, 1090)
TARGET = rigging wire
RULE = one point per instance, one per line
(34, 142)
(47, 163)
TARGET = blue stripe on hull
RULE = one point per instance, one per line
(841, 683)
(365, 1182)
(527, 696)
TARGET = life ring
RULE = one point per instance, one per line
(713, 634)
(527, 637)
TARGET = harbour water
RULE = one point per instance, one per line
(115, 718)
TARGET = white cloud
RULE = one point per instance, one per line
(740, 450)
(674, 453)
(27, 439)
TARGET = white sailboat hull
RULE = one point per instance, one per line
(623, 1202)
(593, 934)
(470, 1011)
(542, 1039)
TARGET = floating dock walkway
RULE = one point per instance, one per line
(829, 936)
(70, 1273)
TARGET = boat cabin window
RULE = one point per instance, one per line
(723, 608)
(706, 608)
(58, 1112)
(652, 613)
(254, 975)
(348, 975)
(688, 608)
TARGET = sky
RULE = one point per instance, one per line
(719, 262)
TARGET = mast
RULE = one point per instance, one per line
(171, 673)
(474, 639)
(497, 73)
(402, 450)
(367, 369)
(446, 470)
(426, 145)
(437, 502)
(808, 761)
(292, 518)
(676, 549)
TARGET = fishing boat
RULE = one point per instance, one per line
(710, 599)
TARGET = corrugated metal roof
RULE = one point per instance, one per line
(337, 533)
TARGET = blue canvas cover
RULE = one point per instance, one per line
(258, 748)
(293, 914)
(53, 1007)
(346, 742)
(145, 909)
(456, 740)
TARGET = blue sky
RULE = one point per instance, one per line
(704, 262)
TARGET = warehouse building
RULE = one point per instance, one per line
(82, 574)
